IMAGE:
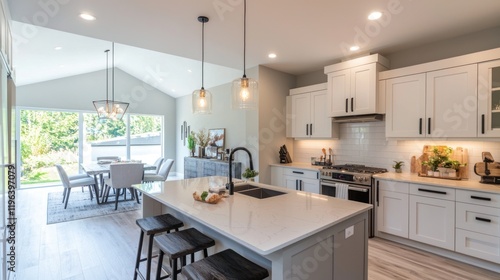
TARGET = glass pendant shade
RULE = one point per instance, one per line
(245, 94)
(202, 101)
(110, 109)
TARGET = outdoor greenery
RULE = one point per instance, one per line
(52, 137)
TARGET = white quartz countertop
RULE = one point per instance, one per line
(262, 225)
(457, 184)
(299, 165)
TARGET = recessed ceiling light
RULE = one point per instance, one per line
(58, 48)
(190, 71)
(271, 55)
(374, 15)
(86, 16)
(173, 90)
(354, 48)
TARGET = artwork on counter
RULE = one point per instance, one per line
(217, 137)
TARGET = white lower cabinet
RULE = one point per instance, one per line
(295, 179)
(432, 215)
(392, 207)
(478, 225)
(301, 184)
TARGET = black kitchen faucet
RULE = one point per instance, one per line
(230, 184)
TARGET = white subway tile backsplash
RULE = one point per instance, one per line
(365, 143)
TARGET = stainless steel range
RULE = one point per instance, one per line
(352, 182)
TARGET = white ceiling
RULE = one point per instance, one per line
(166, 36)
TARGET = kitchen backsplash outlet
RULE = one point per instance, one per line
(365, 143)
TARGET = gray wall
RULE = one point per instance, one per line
(78, 92)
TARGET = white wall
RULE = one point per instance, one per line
(78, 92)
(365, 143)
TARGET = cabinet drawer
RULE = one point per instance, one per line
(478, 218)
(393, 186)
(478, 245)
(432, 191)
(301, 173)
(479, 198)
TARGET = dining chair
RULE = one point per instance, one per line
(162, 173)
(73, 181)
(157, 165)
(121, 177)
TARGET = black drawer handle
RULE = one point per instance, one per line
(307, 129)
(429, 126)
(346, 105)
(352, 104)
(480, 198)
(298, 172)
(420, 126)
(483, 219)
(431, 191)
(482, 124)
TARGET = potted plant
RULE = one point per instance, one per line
(202, 139)
(438, 158)
(191, 143)
(250, 174)
(398, 165)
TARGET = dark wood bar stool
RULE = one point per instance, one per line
(151, 226)
(225, 265)
(177, 245)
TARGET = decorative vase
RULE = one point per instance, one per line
(201, 152)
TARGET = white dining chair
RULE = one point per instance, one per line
(121, 177)
(74, 181)
(162, 173)
(157, 164)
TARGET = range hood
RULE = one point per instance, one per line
(359, 118)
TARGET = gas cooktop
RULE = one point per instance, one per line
(356, 168)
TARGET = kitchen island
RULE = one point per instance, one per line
(296, 235)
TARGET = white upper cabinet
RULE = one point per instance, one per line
(309, 114)
(489, 99)
(451, 102)
(353, 88)
(405, 107)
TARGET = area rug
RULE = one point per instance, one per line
(80, 207)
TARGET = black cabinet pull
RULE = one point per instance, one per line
(298, 172)
(483, 219)
(311, 129)
(346, 105)
(431, 191)
(480, 198)
(300, 185)
(307, 129)
(420, 126)
(296, 185)
(429, 126)
(352, 104)
(482, 124)
(377, 193)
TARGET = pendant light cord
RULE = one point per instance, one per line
(107, 74)
(244, 36)
(202, 53)
(113, 73)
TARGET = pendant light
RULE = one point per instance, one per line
(245, 90)
(202, 98)
(110, 109)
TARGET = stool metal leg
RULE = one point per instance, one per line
(138, 260)
(150, 253)
(160, 261)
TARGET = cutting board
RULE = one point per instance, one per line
(494, 167)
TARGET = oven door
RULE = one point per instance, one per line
(356, 192)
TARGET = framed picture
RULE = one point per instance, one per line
(217, 136)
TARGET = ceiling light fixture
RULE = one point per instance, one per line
(58, 48)
(354, 48)
(86, 16)
(374, 15)
(202, 98)
(245, 90)
(110, 109)
(271, 55)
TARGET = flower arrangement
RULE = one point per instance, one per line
(438, 158)
(202, 138)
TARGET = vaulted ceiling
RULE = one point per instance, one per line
(160, 40)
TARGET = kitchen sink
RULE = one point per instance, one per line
(256, 192)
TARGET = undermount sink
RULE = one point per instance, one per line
(256, 192)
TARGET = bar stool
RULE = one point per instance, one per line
(225, 265)
(151, 226)
(177, 245)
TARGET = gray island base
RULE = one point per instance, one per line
(297, 235)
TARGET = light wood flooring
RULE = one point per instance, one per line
(105, 247)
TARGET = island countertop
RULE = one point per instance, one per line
(262, 225)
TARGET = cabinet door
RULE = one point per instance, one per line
(363, 93)
(301, 111)
(451, 102)
(489, 99)
(405, 105)
(321, 123)
(309, 185)
(339, 84)
(277, 176)
(392, 213)
(291, 182)
(432, 221)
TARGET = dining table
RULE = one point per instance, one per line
(98, 168)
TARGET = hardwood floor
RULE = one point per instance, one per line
(105, 247)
